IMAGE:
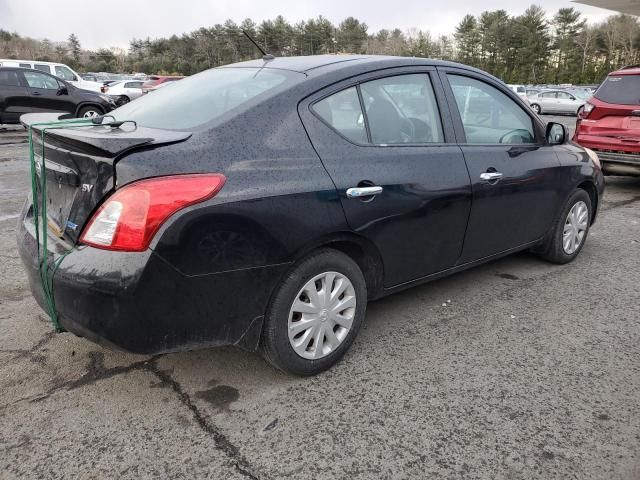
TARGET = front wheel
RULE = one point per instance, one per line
(570, 230)
(315, 313)
(536, 108)
(89, 112)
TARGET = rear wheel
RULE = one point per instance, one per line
(89, 112)
(315, 313)
(122, 100)
(570, 229)
(536, 108)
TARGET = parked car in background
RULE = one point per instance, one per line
(263, 204)
(156, 81)
(124, 92)
(610, 122)
(28, 91)
(532, 92)
(60, 70)
(520, 90)
(556, 101)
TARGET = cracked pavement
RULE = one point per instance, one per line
(531, 370)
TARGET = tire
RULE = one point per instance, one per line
(86, 112)
(554, 250)
(122, 100)
(276, 346)
(536, 108)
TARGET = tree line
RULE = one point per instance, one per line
(526, 48)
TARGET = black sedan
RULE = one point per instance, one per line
(23, 90)
(264, 203)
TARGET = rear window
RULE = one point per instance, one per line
(620, 89)
(9, 78)
(201, 98)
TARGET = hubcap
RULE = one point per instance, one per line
(321, 315)
(575, 227)
(90, 114)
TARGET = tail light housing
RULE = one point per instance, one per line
(130, 218)
(587, 109)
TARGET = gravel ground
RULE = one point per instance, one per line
(531, 370)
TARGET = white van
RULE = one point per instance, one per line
(58, 69)
(520, 90)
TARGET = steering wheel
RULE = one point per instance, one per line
(520, 135)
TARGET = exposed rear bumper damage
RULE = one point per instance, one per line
(140, 303)
(618, 156)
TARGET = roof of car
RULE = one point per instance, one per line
(304, 64)
(635, 70)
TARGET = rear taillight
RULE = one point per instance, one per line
(588, 107)
(129, 219)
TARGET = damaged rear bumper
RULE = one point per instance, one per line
(136, 301)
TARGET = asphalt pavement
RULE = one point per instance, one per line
(516, 369)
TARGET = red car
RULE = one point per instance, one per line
(609, 124)
(155, 81)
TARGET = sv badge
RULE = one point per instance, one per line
(86, 187)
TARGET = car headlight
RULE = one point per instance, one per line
(593, 156)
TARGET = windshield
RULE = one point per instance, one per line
(620, 89)
(201, 98)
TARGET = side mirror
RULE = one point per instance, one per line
(62, 91)
(557, 134)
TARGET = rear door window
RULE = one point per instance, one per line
(342, 111)
(488, 115)
(620, 89)
(402, 109)
(40, 80)
(9, 78)
(25, 65)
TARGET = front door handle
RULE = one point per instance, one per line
(35, 93)
(489, 176)
(359, 192)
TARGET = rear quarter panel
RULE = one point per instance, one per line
(277, 198)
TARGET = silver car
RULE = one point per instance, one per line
(556, 101)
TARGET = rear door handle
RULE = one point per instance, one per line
(35, 93)
(490, 176)
(359, 192)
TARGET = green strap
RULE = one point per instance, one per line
(46, 273)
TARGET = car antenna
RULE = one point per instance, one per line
(265, 55)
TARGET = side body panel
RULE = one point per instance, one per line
(418, 222)
(518, 208)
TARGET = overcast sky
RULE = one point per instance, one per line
(113, 23)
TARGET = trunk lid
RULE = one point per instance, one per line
(79, 166)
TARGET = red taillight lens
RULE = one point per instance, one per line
(129, 219)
